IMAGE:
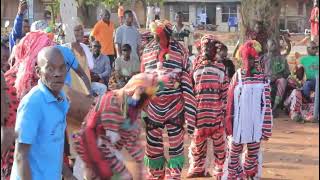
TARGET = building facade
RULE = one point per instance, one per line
(217, 11)
(36, 8)
(295, 15)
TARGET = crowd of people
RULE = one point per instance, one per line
(173, 82)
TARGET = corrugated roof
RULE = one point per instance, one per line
(201, 1)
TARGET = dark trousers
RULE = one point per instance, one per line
(308, 86)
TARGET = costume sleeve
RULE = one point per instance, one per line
(268, 118)
(16, 30)
(230, 105)
(224, 89)
(110, 115)
(188, 96)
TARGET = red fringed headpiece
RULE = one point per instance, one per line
(247, 50)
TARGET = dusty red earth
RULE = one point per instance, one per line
(291, 154)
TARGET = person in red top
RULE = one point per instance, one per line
(210, 88)
(172, 105)
(314, 20)
(103, 32)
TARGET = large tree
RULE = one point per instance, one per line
(267, 11)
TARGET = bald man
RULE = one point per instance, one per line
(41, 122)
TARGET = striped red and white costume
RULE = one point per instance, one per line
(169, 108)
(114, 126)
(210, 88)
(248, 117)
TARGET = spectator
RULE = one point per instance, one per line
(128, 34)
(20, 27)
(182, 32)
(314, 20)
(310, 64)
(7, 133)
(41, 121)
(5, 53)
(101, 70)
(120, 12)
(222, 56)
(157, 11)
(150, 15)
(276, 69)
(126, 66)
(47, 17)
(84, 57)
(103, 32)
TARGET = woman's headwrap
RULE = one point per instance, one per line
(249, 49)
(163, 29)
(39, 26)
(25, 60)
(43, 26)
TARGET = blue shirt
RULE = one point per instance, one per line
(41, 122)
(71, 62)
(16, 31)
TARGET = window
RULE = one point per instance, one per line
(184, 8)
(228, 11)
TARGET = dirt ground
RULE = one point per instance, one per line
(291, 154)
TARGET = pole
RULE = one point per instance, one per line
(316, 101)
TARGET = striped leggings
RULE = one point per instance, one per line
(281, 85)
(250, 166)
(154, 155)
(198, 154)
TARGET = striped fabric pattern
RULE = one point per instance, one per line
(177, 94)
(249, 167)
(111, 119)
(210, 86)
(254, 79)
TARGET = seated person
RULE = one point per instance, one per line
(299, 108)
(276, 69)
(101, 70)
(126, 66)
(310, 64)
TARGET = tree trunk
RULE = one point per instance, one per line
(267, 11)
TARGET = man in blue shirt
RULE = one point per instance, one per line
(21, 26)
(41, 122)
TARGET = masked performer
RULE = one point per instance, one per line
(210, 86)
(171, 106)
(112, 124)
(249, 114)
